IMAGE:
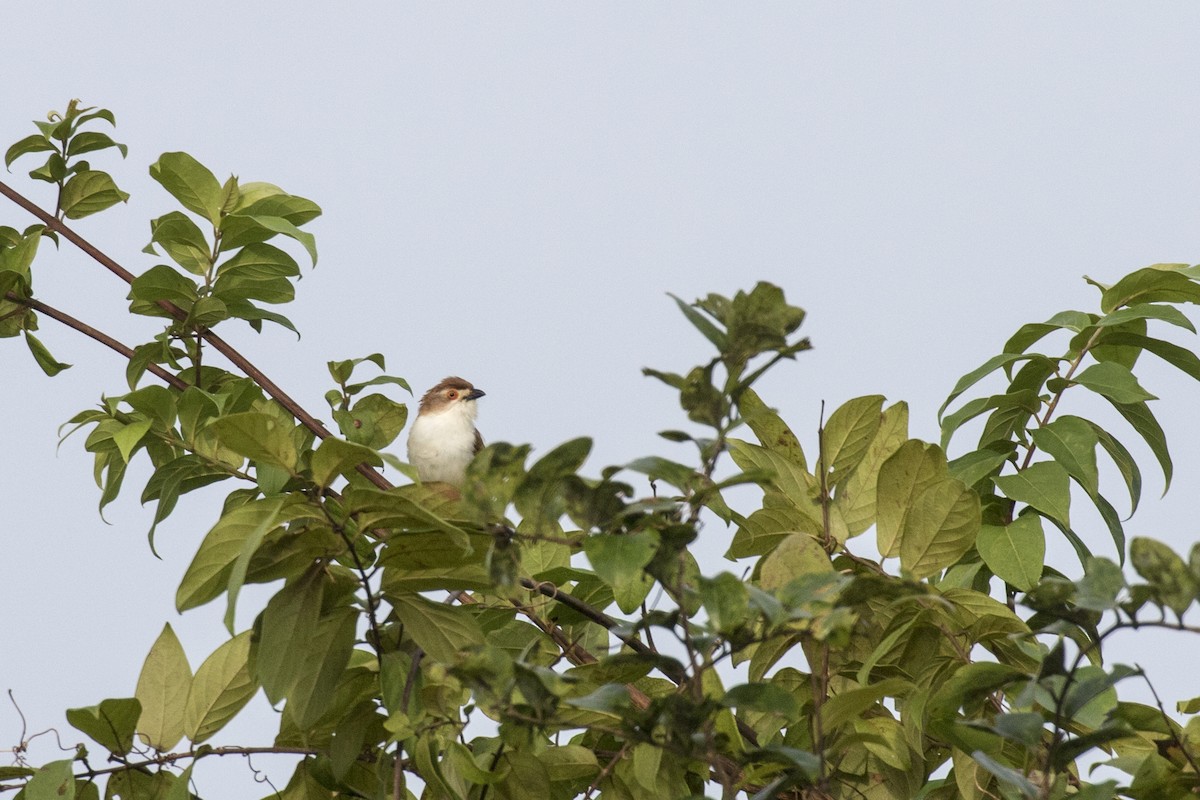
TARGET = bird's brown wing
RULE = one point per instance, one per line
(478, 441)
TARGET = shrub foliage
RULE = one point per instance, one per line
(888, 626)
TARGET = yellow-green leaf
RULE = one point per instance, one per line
(220, 688)
(162, 689)
(939, 528)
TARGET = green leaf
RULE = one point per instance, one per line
(53, 171)
(914, 467)
(183, 241)
(128, 437)
(1146, 311)
(442, 631)
(111, 723)
(539, 497)
(608, 699)
(87, 192)
(137, 784)
(42, 356)
(1125, 464)
(1150, 285)
(1015, 552)
(286, 623)
(789, 485)
(258, 437)
(191, 183)
(240, 229)
(848, 705)
(849, 433)
(1179, 357)
(798, 554)
(55, 781)
(162, 689)
(257, 272)
(772, 432)
(16, 258)
(221, 687)
(341, 371)
(856, 497)
(1006, 406)
(1072, 442)
(250, 545)
(973, 467)
(1113, 381)
(91, 141)
(764, 697)
(155, 402)
(1166, 572)
(657, 468)
(161, 284)
(702, 324)
(766, 527)
(620, 561)
(259, 198)
(34, 143)
(1033, 332)
(1142, 419)
(176, 478)
(262, 261)
(939, 528)
(179, 788)
(979, 373)
(208, 574)
(415, 509)
(569, 762)
(1007, 775)
(726, 600)
(756, 322)
(1045, 486)
(336, 456)
(329, 645)
(207, 312)
(1101, 585)
(374, 421)
(243, 309)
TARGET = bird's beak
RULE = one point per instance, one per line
(475, 394)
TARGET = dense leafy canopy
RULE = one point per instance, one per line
(546, 634)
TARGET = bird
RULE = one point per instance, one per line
(443, 438)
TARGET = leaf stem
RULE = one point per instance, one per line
(1083, 351)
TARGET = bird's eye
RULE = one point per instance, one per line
(452, 394)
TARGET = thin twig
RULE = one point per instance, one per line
(197, 754)
(1187, 754)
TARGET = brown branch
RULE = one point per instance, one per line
(1083, 351)
(171, 758)
(222, 347)
(600, 618)
(92, 333)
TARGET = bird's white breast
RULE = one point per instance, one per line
(441, 445)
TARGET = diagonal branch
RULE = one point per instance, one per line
(93, 333)
(222, 347)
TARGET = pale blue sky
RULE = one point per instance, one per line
(509, 192)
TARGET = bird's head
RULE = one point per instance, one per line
(452, 394)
